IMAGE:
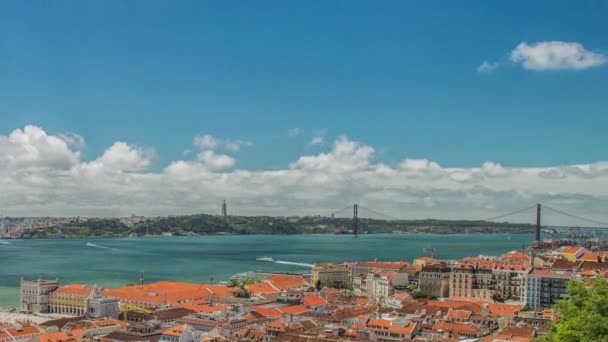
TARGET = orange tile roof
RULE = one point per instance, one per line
(293, 309)
(74, 289)
(378, 323)
(464, 299)
(263, 288)
(177, 331)
(285, 282)
(592, 257)
(313, 300)
(60, 336)
(515, 255)
(266, 312)
(402, 295)
(588, 274)
(278, 325)
(574, 249)
(462, 315)
(30, 330)
(171, 292)
(409, 329)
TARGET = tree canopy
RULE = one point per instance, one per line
(583, 316)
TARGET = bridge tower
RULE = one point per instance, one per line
(355, 219)
(537, 230)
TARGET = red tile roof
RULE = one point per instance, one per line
(293, 310)
(175, 331)
(313, 300)
(263, 288)
(171, 292)
(461, 315)
(285, 282)
(58, 337)
(75, 289)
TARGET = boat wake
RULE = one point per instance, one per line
(96, 246)
(4, 242)
(293, 263)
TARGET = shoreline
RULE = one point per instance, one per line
(262, 234)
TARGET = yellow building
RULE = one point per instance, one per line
(573, 253)
(70, 299)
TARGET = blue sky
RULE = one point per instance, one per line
(400, 80)
(400, 76)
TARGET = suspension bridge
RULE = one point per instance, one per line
(588, 224)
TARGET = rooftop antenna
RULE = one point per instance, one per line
(141, 278)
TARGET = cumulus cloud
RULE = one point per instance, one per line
(43, 174)
(555, 55)
(216, 161)
(487, 67)
(33, 147)
(294, 132)
(122, 157)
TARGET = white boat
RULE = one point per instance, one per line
(264, 259)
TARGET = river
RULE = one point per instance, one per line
(118, 261)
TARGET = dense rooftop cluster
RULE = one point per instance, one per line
(481, 298)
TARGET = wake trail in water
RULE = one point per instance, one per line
(294, 263)
(3, 242)
(96, 246)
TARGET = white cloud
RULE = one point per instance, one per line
(41, 174)
(216, 161)
(294, 132)
(553, 55)
(122, 157)
(33, 147)
(346, 156)
(209, 142)
(318, 140)
(487, 67)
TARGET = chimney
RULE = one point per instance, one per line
(599, 258)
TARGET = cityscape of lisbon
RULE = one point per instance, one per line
(480, 298)
(303, 171)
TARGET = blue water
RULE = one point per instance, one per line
(116, 262)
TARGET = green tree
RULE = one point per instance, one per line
(583, 316)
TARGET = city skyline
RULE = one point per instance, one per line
(424, 109)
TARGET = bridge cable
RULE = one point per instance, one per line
(508, 214)
(381, 214)
(575, 216)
